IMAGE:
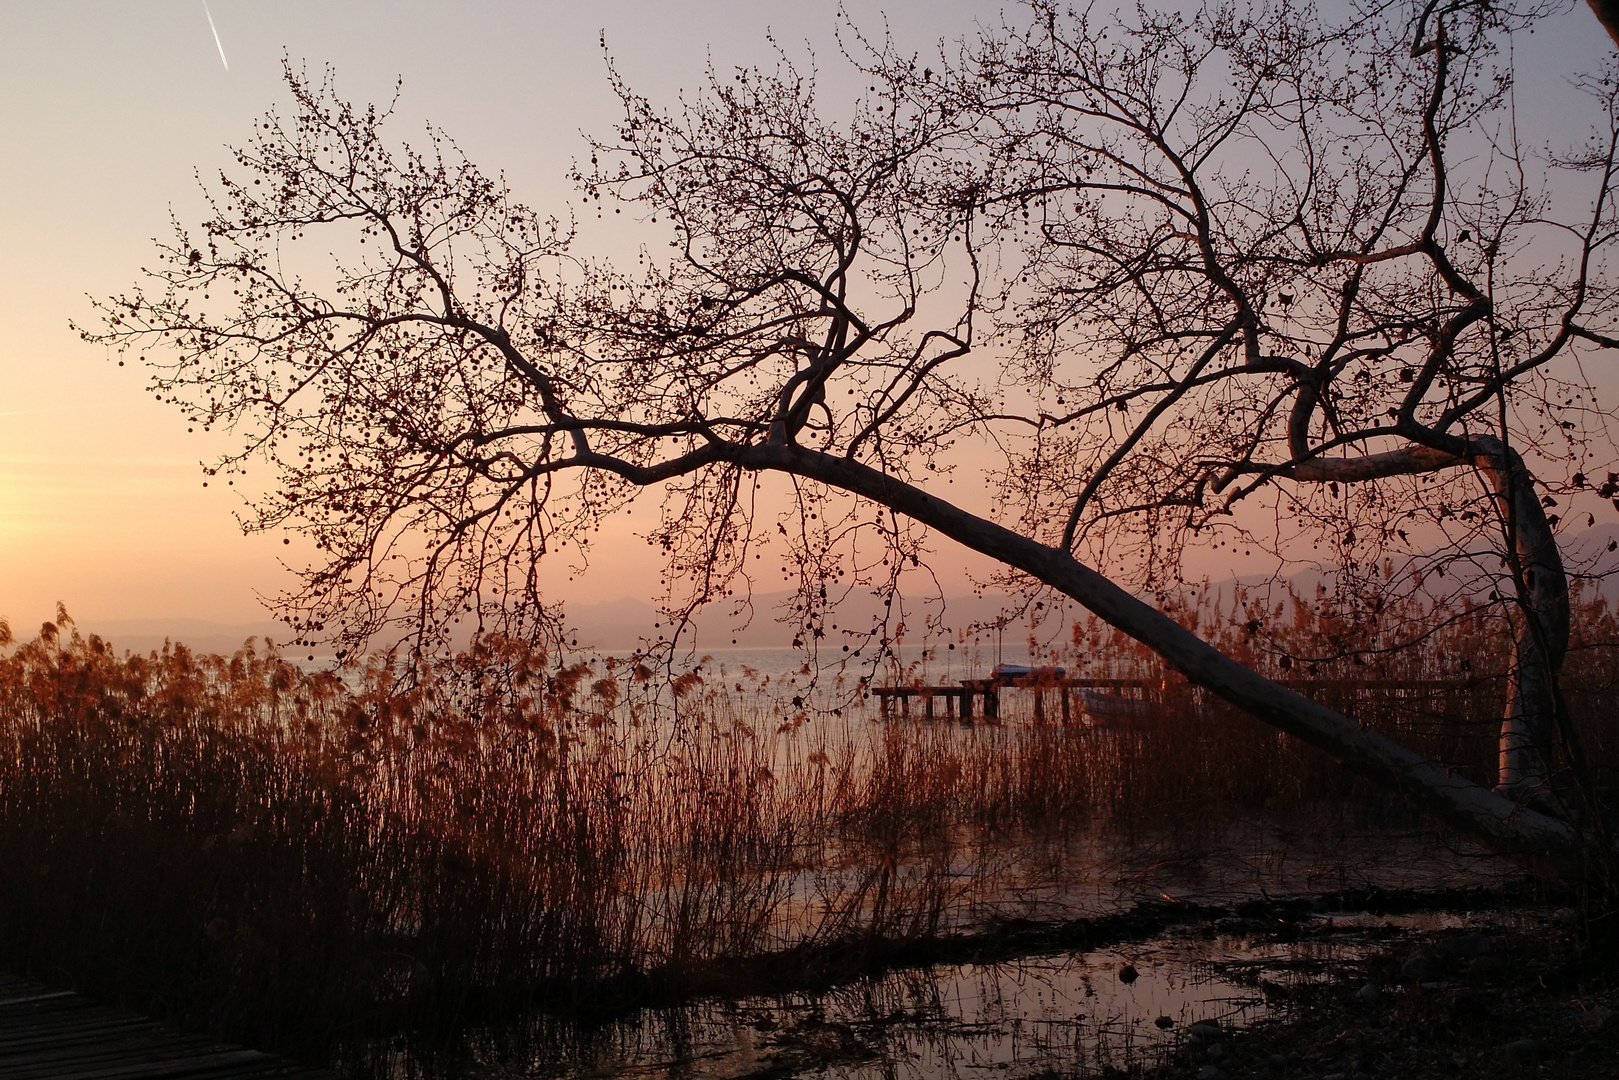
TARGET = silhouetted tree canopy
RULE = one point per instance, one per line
(1166, 267)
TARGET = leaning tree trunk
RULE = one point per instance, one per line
(1508, 825)
(1607, 13)
(1542, 627)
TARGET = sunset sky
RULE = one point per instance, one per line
(108, 107)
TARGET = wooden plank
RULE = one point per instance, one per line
(216, 1063)
(58, 1035)
(110, 1055)
(31, 995)
(105, 1043)
(59, 1019)
(24, 1041)
(41, 1026)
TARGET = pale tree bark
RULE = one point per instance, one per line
(1541, 638)
(1539, 577)
(1607, 13)
(1506, 824)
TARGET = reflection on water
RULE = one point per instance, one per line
(905, 829)
(1073, 1013)
(1036, 1017)
(1063, 1013)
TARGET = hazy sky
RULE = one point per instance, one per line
(106, 109)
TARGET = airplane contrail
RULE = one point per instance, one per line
(215, 29)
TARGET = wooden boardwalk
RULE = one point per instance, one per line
(958, 697)
(58, 1035)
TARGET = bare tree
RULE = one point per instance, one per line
(1360, 312)
(1164, 267)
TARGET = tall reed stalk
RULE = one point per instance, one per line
(287, 858)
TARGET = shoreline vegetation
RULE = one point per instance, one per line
(302, 861)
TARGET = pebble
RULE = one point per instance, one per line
(829, 1040)
(1128, 974)
(1420, 965)
(1369, 994)
(1465, 945)
(1523, 1050)
(1596, 1017)
(1164, 1023)
(1278, 1061)
(1206, 1030)
(1211, 1072)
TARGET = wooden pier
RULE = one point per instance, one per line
(58, 1035)
(958, 698)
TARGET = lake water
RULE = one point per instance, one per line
(1054, 1013)
(1049, 1012)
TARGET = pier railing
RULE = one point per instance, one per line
(1116, 699)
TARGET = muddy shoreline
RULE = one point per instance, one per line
(1521, 997)
(1340, 986)
(1466, 982)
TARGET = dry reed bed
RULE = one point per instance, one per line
(272, 856)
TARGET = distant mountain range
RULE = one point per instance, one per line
(199, 635)
(624, 623)
(621, 624)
